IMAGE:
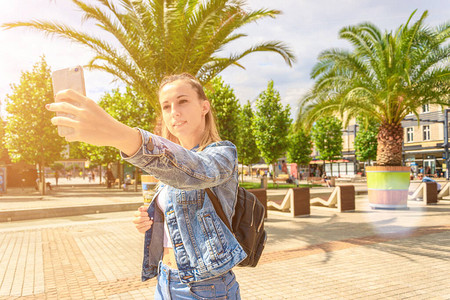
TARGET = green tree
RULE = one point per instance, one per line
(248, 152)
(300, 147)
(3, 150)
(385, 76)
(130, 108)
(29, 134)
(69, 168)
(271, 125)
(76, 150)
(327, 136)
(57, 167)
(366, 142)
(226, 107)
(127, 107)
(155, 38)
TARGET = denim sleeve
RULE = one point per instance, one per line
(182, 168)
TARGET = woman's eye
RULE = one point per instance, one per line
(183, 101)
(166, 107)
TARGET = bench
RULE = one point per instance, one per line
(426, 192)
(116, 183)
(315, 180)
(444, 194)
(350, 178)
(261, 195)
(294, 204)
(341, 199)
(281, 178)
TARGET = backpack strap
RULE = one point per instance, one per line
(218, 207)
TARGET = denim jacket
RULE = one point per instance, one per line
(204, 247)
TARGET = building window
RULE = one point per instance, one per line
(426, 132)
(426, 108)
(409, 134)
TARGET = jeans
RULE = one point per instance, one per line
(169, 286)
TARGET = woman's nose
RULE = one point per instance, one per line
(175, 111)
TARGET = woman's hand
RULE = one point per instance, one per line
(91, 124)
(141, 219)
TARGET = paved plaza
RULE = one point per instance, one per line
(365, 254)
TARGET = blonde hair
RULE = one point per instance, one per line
(210, 134)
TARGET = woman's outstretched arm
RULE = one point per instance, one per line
(91, 124)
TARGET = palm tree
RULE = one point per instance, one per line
(386, 76)
(160, 37)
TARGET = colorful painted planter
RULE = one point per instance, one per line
(388, 186)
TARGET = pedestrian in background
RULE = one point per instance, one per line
(109, 178)
(428, 179)
(187, 246)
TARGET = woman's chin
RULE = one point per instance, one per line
(177, 133)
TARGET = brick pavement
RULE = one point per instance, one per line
(361, 255)
(66, 200)
(82, 198)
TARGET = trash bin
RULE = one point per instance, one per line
(264, 182)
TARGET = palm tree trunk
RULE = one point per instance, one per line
(390, 142)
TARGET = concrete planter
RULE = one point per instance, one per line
(388, 186)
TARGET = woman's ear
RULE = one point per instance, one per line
(206, 106)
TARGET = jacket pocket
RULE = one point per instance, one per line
(214, 235)
(189, 198)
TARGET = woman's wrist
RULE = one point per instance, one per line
(129, 140)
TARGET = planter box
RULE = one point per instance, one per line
(388, 186)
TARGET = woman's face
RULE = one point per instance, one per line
(183, 112)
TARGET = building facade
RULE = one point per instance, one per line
(423, 142)
(423, 147)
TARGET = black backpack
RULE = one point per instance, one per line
(248, 224)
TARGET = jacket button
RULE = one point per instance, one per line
(150, 146)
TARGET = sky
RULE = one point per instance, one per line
(307, 27)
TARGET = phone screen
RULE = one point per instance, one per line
(69, 78)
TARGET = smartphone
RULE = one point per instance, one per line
(69, 78)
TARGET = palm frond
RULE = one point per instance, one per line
(385, 75)
(272, 46)
(60, 30)
(119, 28)
(160, 37)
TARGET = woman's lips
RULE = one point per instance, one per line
(178, 124)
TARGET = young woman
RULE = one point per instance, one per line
(186, 244)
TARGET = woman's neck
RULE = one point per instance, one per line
(191, 141)
(190, 144)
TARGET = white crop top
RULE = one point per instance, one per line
(161, 200)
